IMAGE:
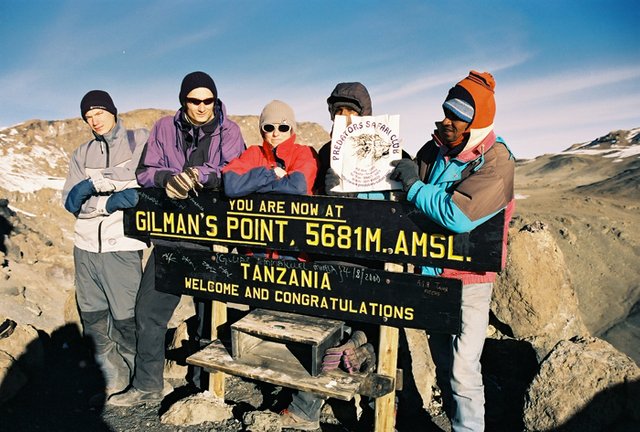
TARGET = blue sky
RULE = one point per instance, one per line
(566, 71)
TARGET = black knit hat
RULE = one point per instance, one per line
(97, 99)
(193, 81)
(353, 95)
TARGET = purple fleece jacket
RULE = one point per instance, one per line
(170, 149)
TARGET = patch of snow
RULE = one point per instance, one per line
(19, 173)
(17, 210)
(615, 151)
(592, 152)
(42, 152)
(632, 133)
(625, 152)
(14, 182)
(13, 131)
(38, 138)
(521, 196)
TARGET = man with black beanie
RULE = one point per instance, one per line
(185, 153)
(108, 266)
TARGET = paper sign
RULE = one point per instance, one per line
(361, 152)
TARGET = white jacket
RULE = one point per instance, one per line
(110, 158)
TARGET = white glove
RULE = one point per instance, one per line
(103, 185)
(279, 172)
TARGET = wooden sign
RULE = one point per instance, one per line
(320, 289)
(377, 230)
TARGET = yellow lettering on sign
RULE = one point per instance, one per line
(450, 254)
(217, 287)
(256, 229)
(256, 293)
(304, 208)
(401, 244)
(241, 205)
(274, 207)
(146, 221)
(291, 277)
(212, 227)
(437, 249)
(419, 243)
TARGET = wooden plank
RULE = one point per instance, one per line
(387, 365)
(278, 369)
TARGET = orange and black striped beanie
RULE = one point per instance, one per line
(472, 100)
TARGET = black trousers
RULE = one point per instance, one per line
(153, 312)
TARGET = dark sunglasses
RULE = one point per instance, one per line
(270, 128)
(197, 102)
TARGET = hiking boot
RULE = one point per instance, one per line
(362, 359)
(289, 420)
(332, 356)
(134, 397)
(100, 399)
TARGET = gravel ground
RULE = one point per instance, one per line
(57, 399)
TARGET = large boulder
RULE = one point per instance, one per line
(584, 385)
(196, 409)
(21, 354)
(534, 296)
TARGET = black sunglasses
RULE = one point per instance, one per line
(270, 128)
(197, 102)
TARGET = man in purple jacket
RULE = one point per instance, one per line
(184, 153)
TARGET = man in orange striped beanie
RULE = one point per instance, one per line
(463, 177)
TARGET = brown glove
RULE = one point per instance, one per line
(179, 185)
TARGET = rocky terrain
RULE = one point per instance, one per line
(562, 349)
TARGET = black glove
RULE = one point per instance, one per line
(405, 171)
(78, 195)
(122, 200)
(331, 180)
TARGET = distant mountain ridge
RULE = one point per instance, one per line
(608, 164)
(615, 140)
(35, 154)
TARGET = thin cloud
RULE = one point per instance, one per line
(449, 77)
(575, 114)
(551, 87)
(176, 43)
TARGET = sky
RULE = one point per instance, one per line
(566, 71)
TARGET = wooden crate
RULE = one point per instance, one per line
(284, 341)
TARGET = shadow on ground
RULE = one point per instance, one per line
(56, 397)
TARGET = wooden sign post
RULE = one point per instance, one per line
(333, 231)
(218, 319)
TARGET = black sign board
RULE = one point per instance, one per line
(314, 288)
(377, 230)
